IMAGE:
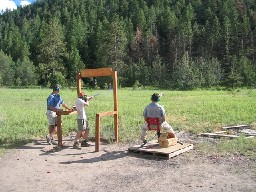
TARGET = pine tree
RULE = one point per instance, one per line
(25, 73)
(52, 53)
(6, 72)
(115, 42)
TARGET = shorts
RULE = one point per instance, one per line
(52, 117)
(82, 124)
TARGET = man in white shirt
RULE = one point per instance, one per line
(82, 122)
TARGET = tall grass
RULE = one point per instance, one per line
(22, 111)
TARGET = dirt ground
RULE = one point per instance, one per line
(33, 168)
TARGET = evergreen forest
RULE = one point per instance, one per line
(171, 44)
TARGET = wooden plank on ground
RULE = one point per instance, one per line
(220, 132)
(161, 152)
(236, 127)
(214, 135)
(249, 132)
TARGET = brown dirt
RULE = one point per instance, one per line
(32, 168)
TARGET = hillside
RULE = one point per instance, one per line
(176, 44)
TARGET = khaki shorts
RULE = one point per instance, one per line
(52, 117)
(82, 124)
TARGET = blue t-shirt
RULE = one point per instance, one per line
(54, 100)
(154, 110)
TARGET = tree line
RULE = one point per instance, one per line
(174, 44)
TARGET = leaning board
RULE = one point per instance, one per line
(153, 149)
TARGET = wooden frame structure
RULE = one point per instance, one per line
(101, 72)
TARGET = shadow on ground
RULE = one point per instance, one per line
(108, 156)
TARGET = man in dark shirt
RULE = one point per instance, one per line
(54, 103)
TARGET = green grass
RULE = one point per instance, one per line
(22, 112)
(239, 146)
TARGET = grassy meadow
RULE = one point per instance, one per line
(22, 114)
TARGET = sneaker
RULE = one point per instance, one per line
(76, 145)
(54, 142)
(144, 143)
(48, 139)
(85, 144)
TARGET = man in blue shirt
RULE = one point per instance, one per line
(155, 110)
(54, 103)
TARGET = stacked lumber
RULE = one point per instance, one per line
(232, 132)
(165, 142)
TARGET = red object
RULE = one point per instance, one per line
(153, 123)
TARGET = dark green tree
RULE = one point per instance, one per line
(75, 64)
(6, 72)
(183, 74)
(25, 73)
(115, 42)
(51, 54)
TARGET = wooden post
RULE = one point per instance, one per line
(97, 133)
(79, 84)
(115, 104)
(59, 129)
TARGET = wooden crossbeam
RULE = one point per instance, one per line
(101, 72)
(107, 113)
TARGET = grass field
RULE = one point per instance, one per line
(22, 113)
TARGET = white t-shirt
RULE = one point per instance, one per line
(80, 103)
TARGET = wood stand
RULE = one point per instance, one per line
(59, 128)
(97, 130)
(101, 72)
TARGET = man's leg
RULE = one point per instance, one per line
(76, 141)
(80, 125)
(78, 135)
(48, 136)
(143, 133)
(85, 134)
(171, 135)
(168, 129)
(52, 129)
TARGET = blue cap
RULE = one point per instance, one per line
(56, 88)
